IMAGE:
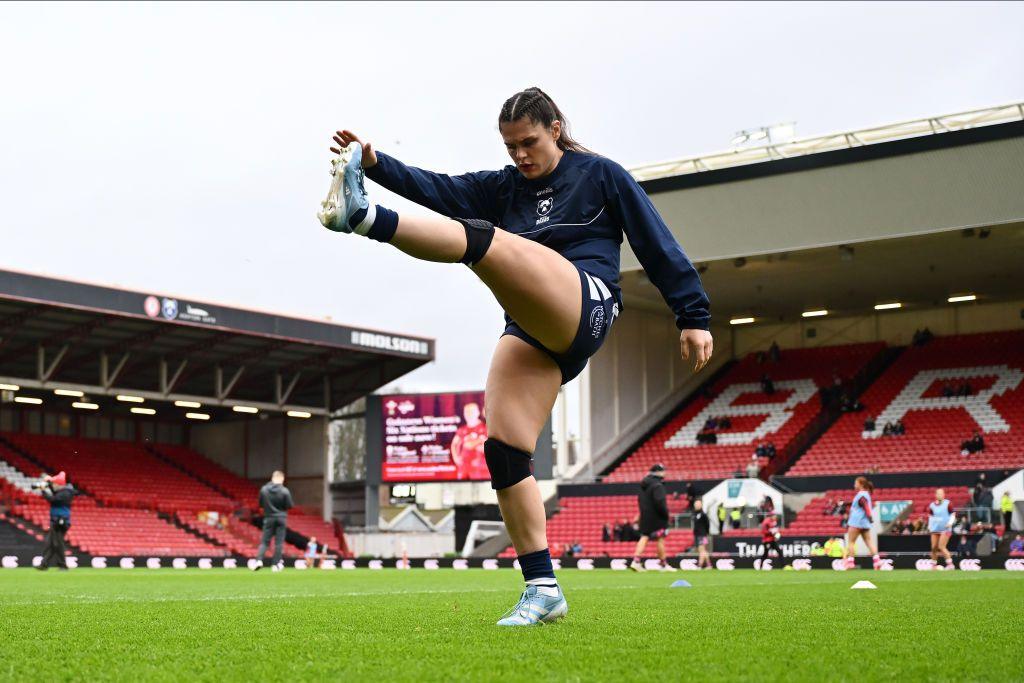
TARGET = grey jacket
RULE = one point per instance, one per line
(276, 500)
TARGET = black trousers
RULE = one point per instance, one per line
(770, 545)
(276, 528)
(53, 555)
(1007, 521)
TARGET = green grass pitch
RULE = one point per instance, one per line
(418, 625)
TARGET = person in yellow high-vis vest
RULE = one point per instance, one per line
(1006, 507)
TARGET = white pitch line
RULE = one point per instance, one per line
(92, 599)
(837, 578)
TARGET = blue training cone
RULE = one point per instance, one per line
(681, 583)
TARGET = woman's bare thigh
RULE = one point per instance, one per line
(522, 385)
(536, 286)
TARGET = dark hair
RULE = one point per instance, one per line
(534, 103)
(865, 484)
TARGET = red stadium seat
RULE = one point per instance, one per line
(933, 435)
(124, 477)
(239, 489)
(120, 531)
(580, 519)
(120, 473)
(243, 491)
(239, 537)
(692, 461)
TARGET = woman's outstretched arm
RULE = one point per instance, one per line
(471, 195)
(664, 261)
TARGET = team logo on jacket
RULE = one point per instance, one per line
(543, 209)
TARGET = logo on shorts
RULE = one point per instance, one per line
(544, 206)
(597, 321)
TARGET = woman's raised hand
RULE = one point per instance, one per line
(696, 347)
(344, 137)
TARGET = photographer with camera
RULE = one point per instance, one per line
(59, 494)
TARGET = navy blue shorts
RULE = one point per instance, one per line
(599, 312)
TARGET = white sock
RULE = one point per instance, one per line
(543, 581)
(548, 591)
(366, 223)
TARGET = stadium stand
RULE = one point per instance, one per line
(16, 537)
(813, 520)
(9, 492)
(756, 417)
(140, 491)
(581, 518)
(122, 473)
(17, 469)
(308, 525)
(239, 537)
(912, 389)
(242, 491)
(120, 531)
(16, 477)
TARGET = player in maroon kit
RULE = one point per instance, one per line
(770, 536)
(468, 446)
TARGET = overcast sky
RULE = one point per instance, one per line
(181, 149)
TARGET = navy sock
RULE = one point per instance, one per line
(384, 223)
(537, 569)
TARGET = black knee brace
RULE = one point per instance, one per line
(508, 465)
(478, 239)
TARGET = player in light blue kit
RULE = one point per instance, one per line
(940, 521)
(859, 524)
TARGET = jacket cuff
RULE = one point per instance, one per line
(693, 323)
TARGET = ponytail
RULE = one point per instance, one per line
(534, 104)
(865, 484)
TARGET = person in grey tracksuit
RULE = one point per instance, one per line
(276, 500)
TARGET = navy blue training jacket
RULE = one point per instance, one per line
(580, 210)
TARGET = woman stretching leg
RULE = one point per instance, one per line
(553, 267)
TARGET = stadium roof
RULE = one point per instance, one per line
(102, 341)
(913, 212)
(741, 156)
(920, 272)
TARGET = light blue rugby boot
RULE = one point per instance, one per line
(535, 609)
(347, 195)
